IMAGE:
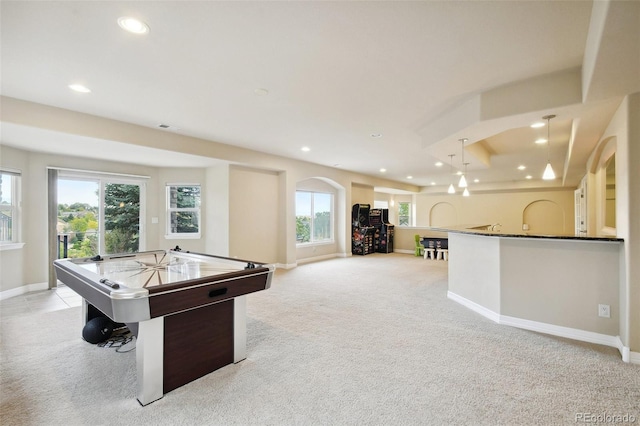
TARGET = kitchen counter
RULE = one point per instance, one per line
(563, 285)
(486, 231)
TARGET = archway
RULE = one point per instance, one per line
(443, 214)
(544, 217)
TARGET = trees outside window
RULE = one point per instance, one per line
(9, 217)
(314, 217)
(183, 211)
(404, 214)
(122, 218)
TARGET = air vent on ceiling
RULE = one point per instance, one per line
(168, 127)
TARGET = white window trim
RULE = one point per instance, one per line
(11, 246)
(182, 236)
(16, 209)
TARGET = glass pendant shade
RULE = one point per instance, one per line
(451, 190)
(465, 193)
(548, 173)
(463, 182)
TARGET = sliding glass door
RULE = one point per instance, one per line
(98, 215)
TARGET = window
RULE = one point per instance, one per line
(378, 204)
(183, 211)
(9, 207)
(404, 214)
(314, 217)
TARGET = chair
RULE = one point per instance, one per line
(430, 250)
(443, 250)
(419, 247)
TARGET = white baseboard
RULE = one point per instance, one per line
(317, 258)
(474, 307)
(311, 259)
(23, 290)
(286, 265)
(628, 355)
(555, 330)
(404, 251)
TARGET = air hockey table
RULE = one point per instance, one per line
(187, 310)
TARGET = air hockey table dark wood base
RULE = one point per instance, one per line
(188, 311)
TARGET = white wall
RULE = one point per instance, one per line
(505, 208)
(30, 265)
(12, 262)
(217, 218)
(559, 282)
(253, 214)
(622, 136)
(542, 278)
(361, 194)
(474, 269)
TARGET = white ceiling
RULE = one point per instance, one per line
(336, 73)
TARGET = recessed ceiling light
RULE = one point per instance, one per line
(409, 177)
(383, 170)
(476, 180)
(521, 167)
(439, 164)
(133, 25)
(79, 88)
(376, 135)
(541, 141)
(537, 125)
(433, 183)
(528, 176)
(459, 172)
(260, 92)
(305, 149)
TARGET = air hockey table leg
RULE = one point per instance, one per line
(239, 329)
(150, 360)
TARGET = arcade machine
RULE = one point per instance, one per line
(362, 232)
(375, 220)
(384, 233)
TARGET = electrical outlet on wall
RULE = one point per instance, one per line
(604, 311)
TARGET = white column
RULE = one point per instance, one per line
(150, 360)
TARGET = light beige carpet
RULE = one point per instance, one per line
(367, 340)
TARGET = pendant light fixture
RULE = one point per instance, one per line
(465, 193)
(451, 190)
(463, 181)
(548, 171)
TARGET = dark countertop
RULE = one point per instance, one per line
(482, 230)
